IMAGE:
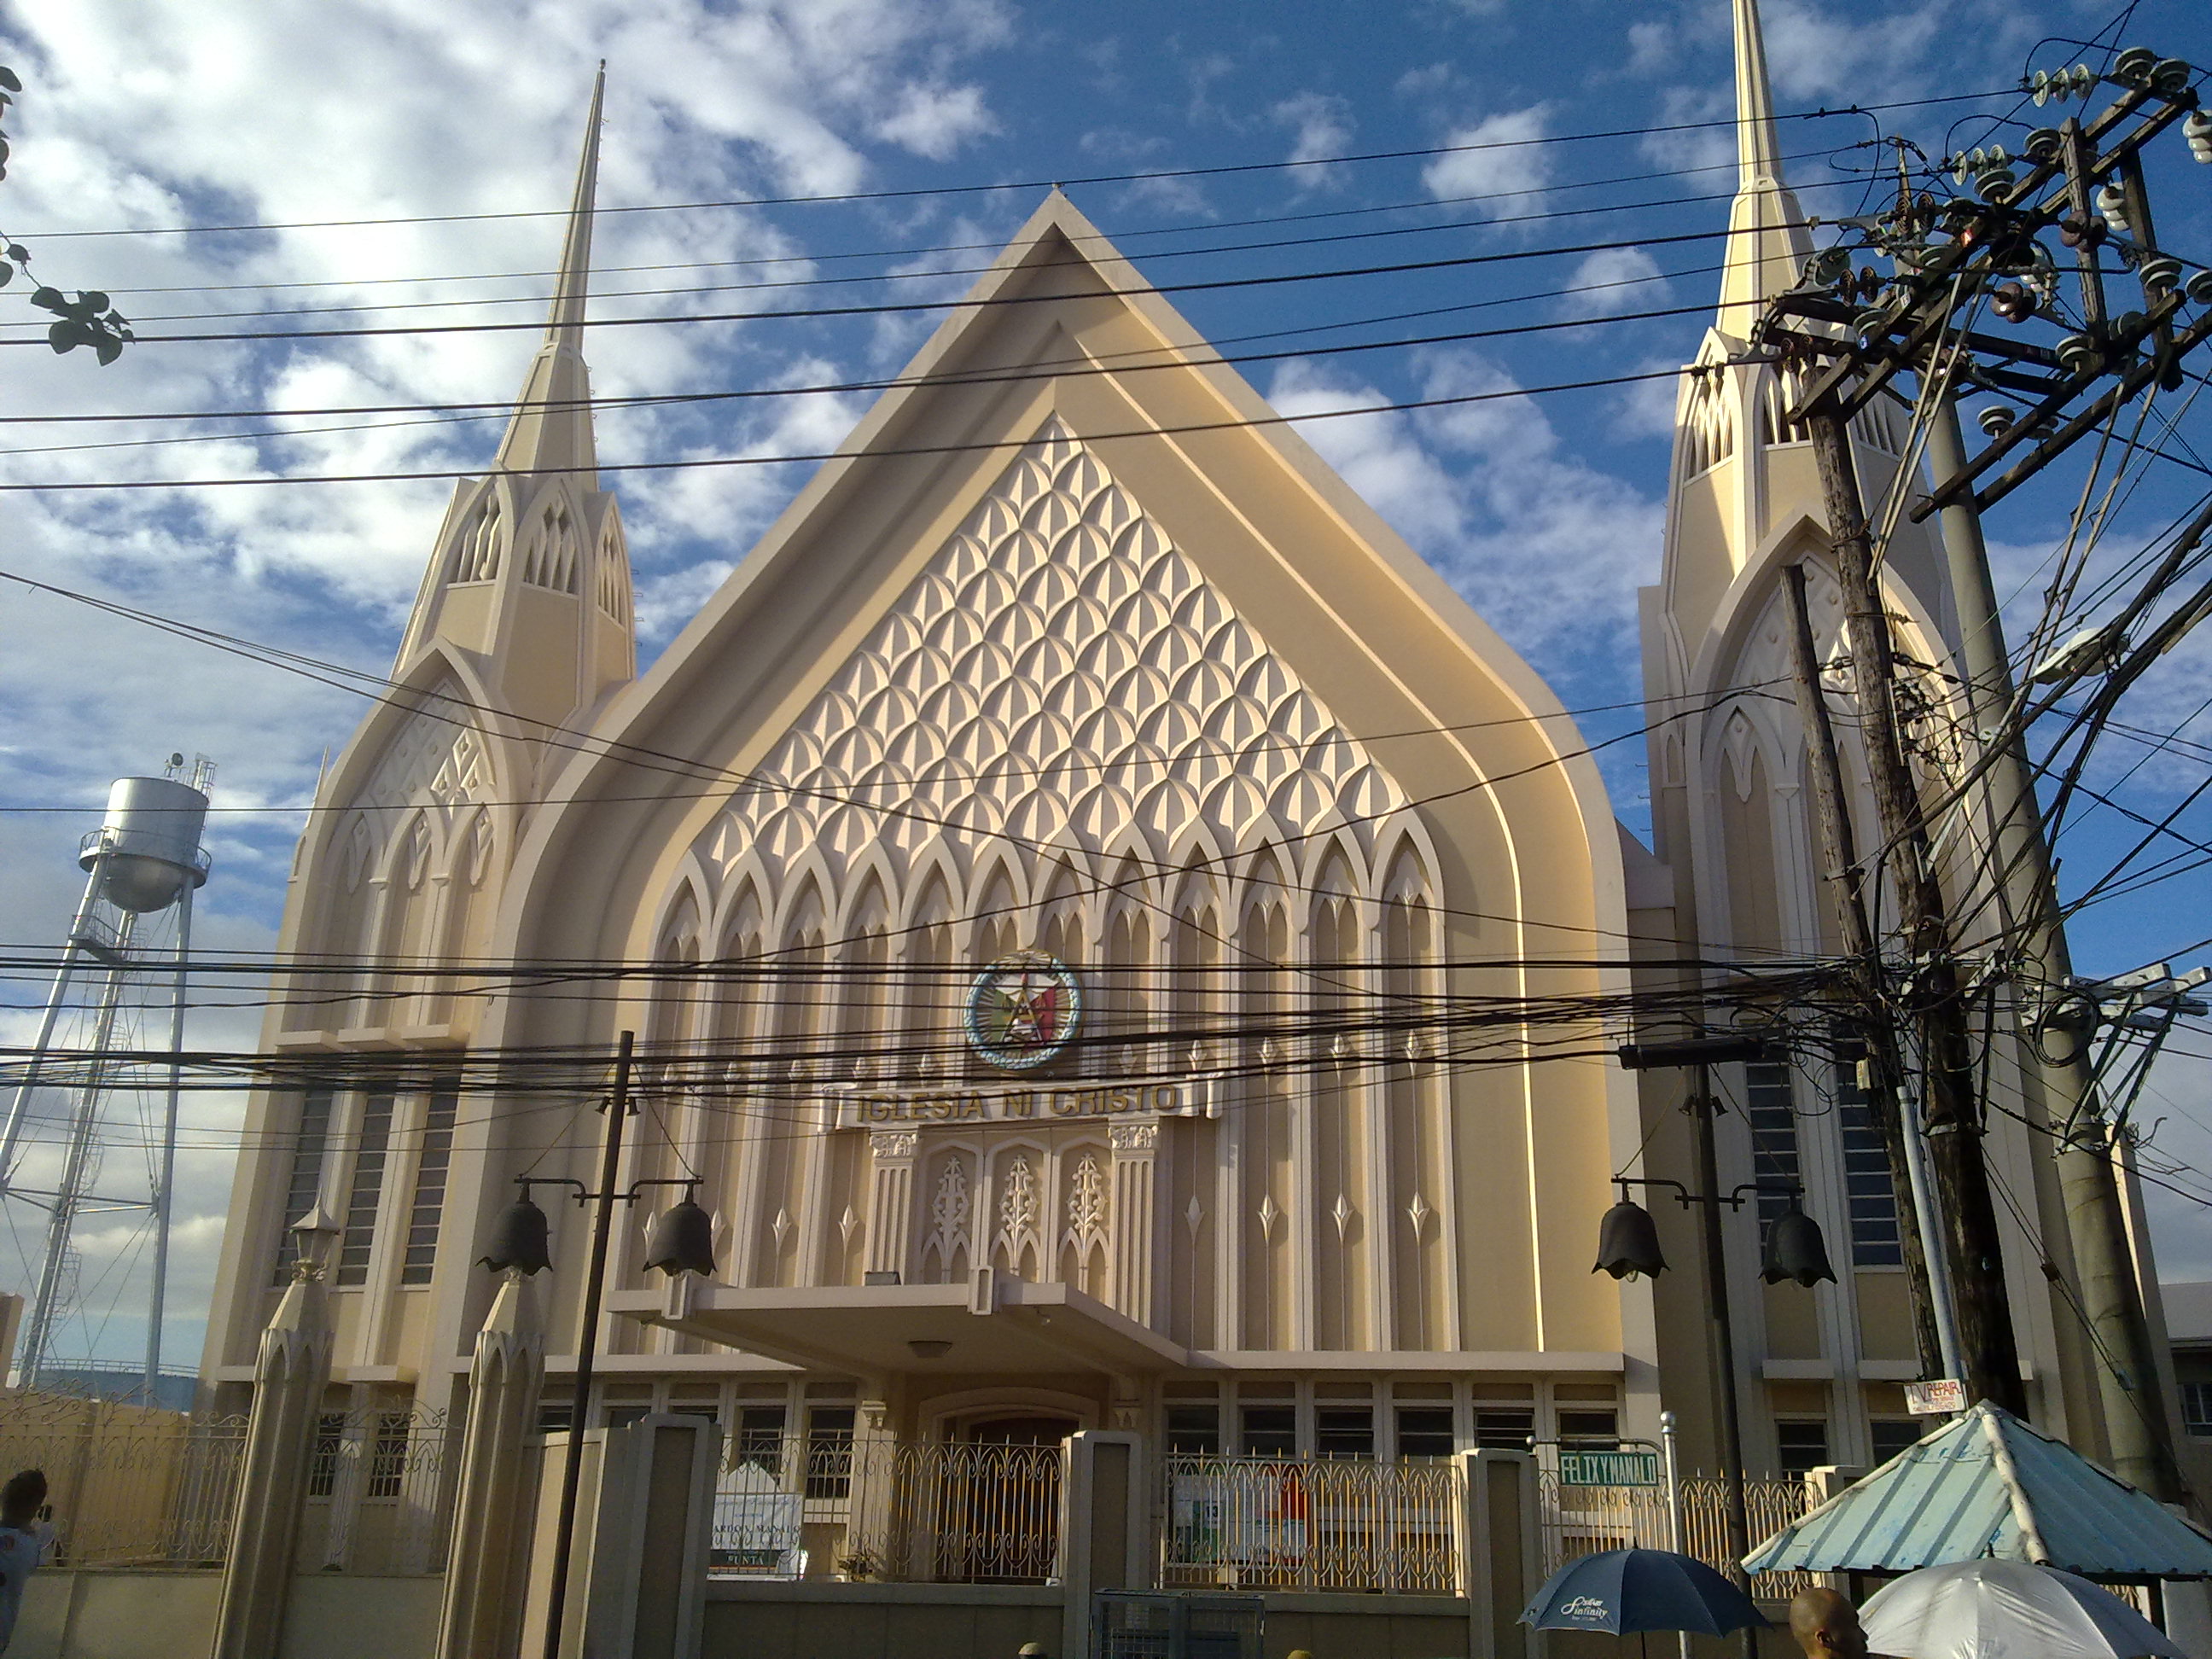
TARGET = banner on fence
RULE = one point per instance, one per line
(1252, 1516)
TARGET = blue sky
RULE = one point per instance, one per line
(1545, 512)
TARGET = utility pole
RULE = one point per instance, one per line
(2083, 183)
(1932, 1307)
(1988, 1352)
(2135, 1424)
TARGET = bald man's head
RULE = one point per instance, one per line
(1826, 1625)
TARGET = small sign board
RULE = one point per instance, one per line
(1945, 1396)
(1609, 1468)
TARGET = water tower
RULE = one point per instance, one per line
(120, 989)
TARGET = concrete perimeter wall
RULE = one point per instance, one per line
(171, 1615)
(772, 1619)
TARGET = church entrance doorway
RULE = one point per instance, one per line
(1003, 1499)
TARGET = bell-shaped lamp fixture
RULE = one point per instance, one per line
(520, 1239)
(1628, 1243)
(1795, 1249)
(681, 1240)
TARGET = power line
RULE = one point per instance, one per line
(875, 453)
(1196, 285)
(1073, 371)
(937, 274)
(1220, 170)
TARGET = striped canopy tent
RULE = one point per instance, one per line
(1990, 1485)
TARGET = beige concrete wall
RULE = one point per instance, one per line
(162, 1615)
(756, 1619)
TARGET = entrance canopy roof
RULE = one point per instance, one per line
(992, 1323)
(1989, 1485)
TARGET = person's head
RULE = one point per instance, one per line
(22, 1497)
(1826, 1625)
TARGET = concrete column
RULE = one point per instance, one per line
(1105, 1534)
(1501, 1566)
(1135, 1153)
(289, 1376)
(891, 1199)
(481, 1615)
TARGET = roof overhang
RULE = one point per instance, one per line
(992, 1323)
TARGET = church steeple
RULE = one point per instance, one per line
(1768, 244)
(531, 576)
(552, 427)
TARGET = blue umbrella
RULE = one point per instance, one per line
(1622, 1591)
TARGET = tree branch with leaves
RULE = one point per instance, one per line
(85, 319)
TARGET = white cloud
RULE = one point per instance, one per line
(1379, 455)
(1322, 126)
(228, 112)
(1427, 81)
(1549, 549)
(1810, 53)
(935, 121)
(1682, 141)
(1611, 281)
(1500, 160)
(1646, 408)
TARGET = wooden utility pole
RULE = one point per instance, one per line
(1847, 882)
(1989, 1353)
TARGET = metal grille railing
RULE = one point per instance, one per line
(376, 1499)
(1323, 1524)
(129, 1487)
(927, 1511)
(1576, 1520)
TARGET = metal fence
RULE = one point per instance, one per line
(129, 1487)
(1322, 1525)
(1576, 1519)
(922, 1511)
(377, 1501)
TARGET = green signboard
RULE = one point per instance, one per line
(1609, 1468)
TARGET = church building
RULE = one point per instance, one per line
(1048, 883)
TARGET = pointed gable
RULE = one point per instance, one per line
(1073, 590)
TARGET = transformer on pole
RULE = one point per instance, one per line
(123, 971)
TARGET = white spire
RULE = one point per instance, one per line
(553, 427)
(1767, 245)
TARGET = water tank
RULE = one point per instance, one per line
(152, 837)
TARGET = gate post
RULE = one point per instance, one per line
(289, 1374)
(1501, 1564)
(481, 1616)
(652, 1532)
(1105, 1534)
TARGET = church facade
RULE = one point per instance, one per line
(1038, 881)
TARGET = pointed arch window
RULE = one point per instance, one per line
(550, 558)
(612, 587)
(475, 555)
(1707, 435)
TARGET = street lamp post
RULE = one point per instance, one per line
(682, 1242)
(1628, 1243)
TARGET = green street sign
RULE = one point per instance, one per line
(1609, 1468)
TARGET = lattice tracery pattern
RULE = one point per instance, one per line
(1061, 674)
(432, 761)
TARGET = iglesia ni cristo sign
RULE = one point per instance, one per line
(1022, 1011)
(1032, 1103)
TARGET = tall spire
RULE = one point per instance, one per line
(1767, 245)
(552, 428)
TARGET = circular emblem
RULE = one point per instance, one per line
(1023, 1009)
